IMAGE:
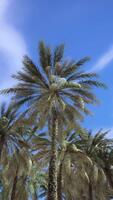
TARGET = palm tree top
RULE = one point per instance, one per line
(55, 83)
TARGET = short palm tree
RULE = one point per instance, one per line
(10, 139)
(67, 151)
(14, 175)
(80, 165)
(107, 157)
(11, 148)
(99, 148)
(72, 172)
(55, 91)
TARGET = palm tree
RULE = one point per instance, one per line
(11, 143)
(14, 175)
(107, 157)
(11, 139)
(81, 171)
(7, 119)
(55, 91)
(99, 149)
(72, 172)
(87, 163)
(67, 151)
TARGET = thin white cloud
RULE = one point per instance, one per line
(12, 45)
(104, 60)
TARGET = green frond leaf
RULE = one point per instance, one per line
(58, 53)
(45, 56)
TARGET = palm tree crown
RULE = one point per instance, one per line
(56, 83)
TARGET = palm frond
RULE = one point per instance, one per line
(93, 83)
(73, 67)
(81, 75)
(45, 56)
(58, 54)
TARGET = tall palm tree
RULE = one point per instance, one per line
(56, 90)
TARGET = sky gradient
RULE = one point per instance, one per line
(86, 28)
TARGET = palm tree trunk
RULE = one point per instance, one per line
(59, 182)
(60, 178)
(13, 194)
(52, 185)
(90, 192)
(109, 176)
(2, 140)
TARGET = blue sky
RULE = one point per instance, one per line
(86, 28)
